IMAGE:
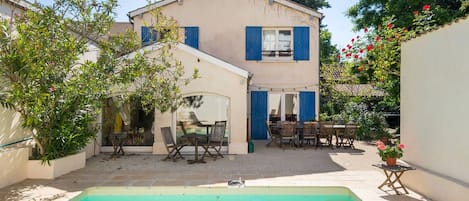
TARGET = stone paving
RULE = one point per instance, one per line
(267, 166)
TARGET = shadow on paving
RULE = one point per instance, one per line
(149, 170)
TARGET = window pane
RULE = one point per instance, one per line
(291, 107)
(199, 112)
(127, 117)
(275, 103)
(285, 43)
(268, 43)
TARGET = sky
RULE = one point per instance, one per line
(338, 24)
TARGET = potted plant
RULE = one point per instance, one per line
(390, 153)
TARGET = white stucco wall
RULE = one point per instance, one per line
(222, 25)
(434, 111)
(213, 80)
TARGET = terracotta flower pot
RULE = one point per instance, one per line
(391, 161)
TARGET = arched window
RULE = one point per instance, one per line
(199, 112)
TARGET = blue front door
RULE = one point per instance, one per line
(258, 115)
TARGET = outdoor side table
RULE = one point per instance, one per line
(393, 176)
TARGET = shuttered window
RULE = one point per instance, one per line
(191, 35)
(148, 35)
(277, 43)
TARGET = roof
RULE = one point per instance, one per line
(360, 90)
(120, 27)
(25, 5)
(286, 3)
(202, 55)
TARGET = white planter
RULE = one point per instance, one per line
(57, 168)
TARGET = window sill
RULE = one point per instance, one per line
(277, 61)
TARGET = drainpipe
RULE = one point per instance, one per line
(319, 67)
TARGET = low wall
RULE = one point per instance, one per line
(58, 167)
(13, 165)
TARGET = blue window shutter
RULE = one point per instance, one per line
(258, 115)
(154, 35)
(254, 43)
(307, 106)
(146, 35)
(301, 43)
(192, 37)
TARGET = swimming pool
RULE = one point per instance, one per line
(217, 194)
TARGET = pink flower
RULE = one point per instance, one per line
(353, 40)
(379, 142)
(390, 26)
(51, 89)
(355, 56)
(401, 146)
(365, 30)
(369, 47)
(416, 13)
(338, 56)
(381, 147)
(361, 50)
(377, 38)
(358, 37)
(426, 7)
(343, 49)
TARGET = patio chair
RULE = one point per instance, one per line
(349, 136)
(288, 132)
(170, 145)
(274, 134)
(326, 131)
(310, 133)
(215, 140)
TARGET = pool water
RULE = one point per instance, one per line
(217, 194)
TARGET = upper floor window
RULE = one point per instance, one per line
(187, 35)
(277, 44)
(263, 43)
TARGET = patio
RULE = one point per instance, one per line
(265, 167)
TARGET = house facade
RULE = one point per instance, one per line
(276, 41)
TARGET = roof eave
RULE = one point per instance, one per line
(286, 3)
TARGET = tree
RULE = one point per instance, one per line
(315, 4)
(373, 13)
(59, 95)
(328, 52)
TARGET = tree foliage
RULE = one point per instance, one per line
(315, 4)
(373, 13)
(58, 93)
(328, 52)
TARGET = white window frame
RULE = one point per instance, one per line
(277, 43)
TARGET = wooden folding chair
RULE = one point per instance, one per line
(171, 146)
(215, 140)
(326, 131)
(310, 133)
(350, 134)
(274, 134)
(288, 132)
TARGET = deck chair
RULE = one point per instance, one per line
(310, 133)
(326, 131)
(288, 132)
(171, 146)
(215, 140)
(274, 134)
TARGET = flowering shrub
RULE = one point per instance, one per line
(376, 56)
(390, 151)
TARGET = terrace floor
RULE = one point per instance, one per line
(267, 166)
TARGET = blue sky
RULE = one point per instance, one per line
(337, 23)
